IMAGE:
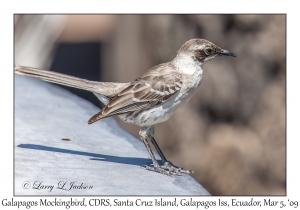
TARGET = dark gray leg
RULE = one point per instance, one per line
(167, 164)
(156, 166)
(150, 134)
(168, 167)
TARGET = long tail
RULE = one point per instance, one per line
(103, 88)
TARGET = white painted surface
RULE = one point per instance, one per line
(102, 155)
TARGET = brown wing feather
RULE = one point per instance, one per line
(152, 89)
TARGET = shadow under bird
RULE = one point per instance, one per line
(150, 99)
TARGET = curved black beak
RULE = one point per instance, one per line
(226, 52)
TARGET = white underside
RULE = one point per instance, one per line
(163, 112)
(192, 75)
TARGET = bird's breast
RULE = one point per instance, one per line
(164, 111)
(190, 84)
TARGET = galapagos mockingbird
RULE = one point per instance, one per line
(150, 99)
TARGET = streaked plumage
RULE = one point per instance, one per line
(149, 90)
(151, 98)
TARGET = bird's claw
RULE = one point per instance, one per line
(169, 166)
(168, 169)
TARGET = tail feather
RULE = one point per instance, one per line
(103, 88)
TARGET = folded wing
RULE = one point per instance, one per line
(152, 89)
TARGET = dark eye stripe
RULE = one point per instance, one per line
(208, 51)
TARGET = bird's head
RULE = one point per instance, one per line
(202, 50)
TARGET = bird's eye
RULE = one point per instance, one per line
(207, 51)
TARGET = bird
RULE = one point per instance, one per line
(151, 98)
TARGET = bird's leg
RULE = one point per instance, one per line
(150, 134)
(156, 167)
(167, 164)
(168, 168)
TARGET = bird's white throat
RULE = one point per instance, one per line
(187, 64)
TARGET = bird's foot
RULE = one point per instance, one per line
(168, 169)
(160, 169)
(177, 170)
